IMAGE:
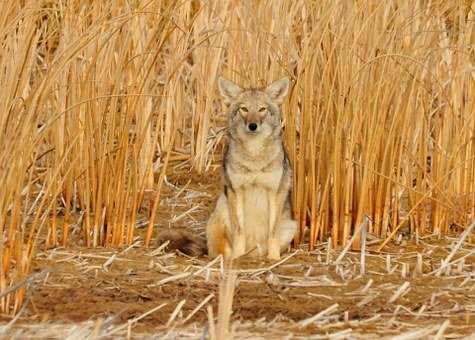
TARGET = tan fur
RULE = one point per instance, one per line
(253, 213)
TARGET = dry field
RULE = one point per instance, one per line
(141, 293)
(111, 128)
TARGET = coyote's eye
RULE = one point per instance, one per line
(243, 108)
(262, 109)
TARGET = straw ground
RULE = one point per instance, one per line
(134, 292)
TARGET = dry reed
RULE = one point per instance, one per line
(99, 96)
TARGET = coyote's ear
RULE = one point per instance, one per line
(278, 90)
(228, 89)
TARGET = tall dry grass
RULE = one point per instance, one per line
(98, 97)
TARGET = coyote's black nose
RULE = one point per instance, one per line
(252, 126)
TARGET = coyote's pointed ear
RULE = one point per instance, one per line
(278, 90)
(228, 89)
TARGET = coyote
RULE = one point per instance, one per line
(253, 213)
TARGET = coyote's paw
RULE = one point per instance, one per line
(273, 251)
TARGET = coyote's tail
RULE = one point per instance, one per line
(183, 241)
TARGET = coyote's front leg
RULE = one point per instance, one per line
(236, 207)
(275, 204)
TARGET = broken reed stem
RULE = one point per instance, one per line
(313, 319)
(400, 291)
(175, 313)
(226, 297)
(197, 308)
(456, 248)
(442, 329)
(211, 324)
(348, 245)
(363, 248)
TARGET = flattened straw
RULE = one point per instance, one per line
(135, 244)
(109, 262)
(320, 296)
(460, 266)
(179, 217)
(275, 264)
(136, 319)
(340, 334)
(446, 261)
(316, 317)
(170, 279)
(159, 249)
(417, 334)
(197, 308)
(420, 311)
(129, 331)
(401, 290)
(208, 265)
(175, 312)
(366, 300)
(367, 286)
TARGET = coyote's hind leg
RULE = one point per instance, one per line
(286, 231)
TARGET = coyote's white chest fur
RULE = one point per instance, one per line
(262, 168)
(256, 174)
(253, 215)
(256, 218)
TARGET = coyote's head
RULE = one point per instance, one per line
(254, 112)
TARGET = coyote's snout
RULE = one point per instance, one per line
(253, 214)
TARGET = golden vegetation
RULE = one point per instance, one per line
(97, 96)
